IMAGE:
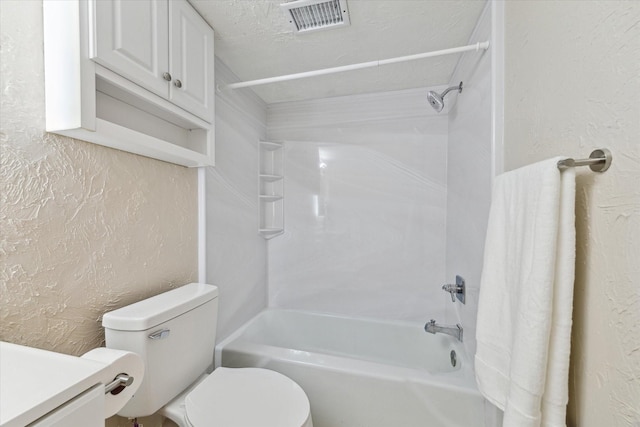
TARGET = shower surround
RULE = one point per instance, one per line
(386, 200)
(365, 206)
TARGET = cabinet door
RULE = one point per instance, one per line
(132, 40)
(192, 61)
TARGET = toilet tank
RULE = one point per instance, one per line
(174, 333)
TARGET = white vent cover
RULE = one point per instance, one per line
(313, 15)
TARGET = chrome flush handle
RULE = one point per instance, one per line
(160, 335)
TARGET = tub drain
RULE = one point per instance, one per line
(454, 358)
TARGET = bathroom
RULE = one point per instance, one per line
(385, 199)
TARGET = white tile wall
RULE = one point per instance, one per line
(236, 254)
(365, 199)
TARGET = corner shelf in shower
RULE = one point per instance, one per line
(271, 190)
(270, 198)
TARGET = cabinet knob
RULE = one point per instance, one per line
(167, 77)
(177, 84)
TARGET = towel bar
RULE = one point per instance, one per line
(599, 161)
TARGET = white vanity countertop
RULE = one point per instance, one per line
(33, 382)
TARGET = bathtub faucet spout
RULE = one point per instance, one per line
(455, 331)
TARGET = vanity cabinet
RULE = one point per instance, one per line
(135, 75)
(164, 46)
(86, 410)
(40, 388)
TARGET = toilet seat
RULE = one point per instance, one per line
(247, 397)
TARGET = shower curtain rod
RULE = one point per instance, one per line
(476, 47)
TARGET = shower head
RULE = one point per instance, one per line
(437, 100)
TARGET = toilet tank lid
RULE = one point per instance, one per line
(153, 311)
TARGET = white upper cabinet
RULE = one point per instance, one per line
(135, 75)
(162, 45)
(132, 39)
(191, 60)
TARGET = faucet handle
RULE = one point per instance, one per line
(457, 290)
(452, 290)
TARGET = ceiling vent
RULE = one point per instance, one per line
(314, 15)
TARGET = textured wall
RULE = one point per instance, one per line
(236, 253)
(365, 202)
(84, 229)
(572, 85)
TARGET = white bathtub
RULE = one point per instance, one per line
(362, 372)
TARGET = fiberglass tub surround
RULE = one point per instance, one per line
(365, 180)
(359, 371)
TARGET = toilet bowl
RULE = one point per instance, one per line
(174, 333)
(241, 397)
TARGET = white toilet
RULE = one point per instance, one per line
(174, 333)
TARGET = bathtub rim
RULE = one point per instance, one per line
(463, 377)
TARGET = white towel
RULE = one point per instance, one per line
(526, 295)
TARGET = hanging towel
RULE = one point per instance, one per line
(526, 295)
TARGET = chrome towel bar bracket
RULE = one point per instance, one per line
(599, 161)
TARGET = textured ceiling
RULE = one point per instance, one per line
(255, 40)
